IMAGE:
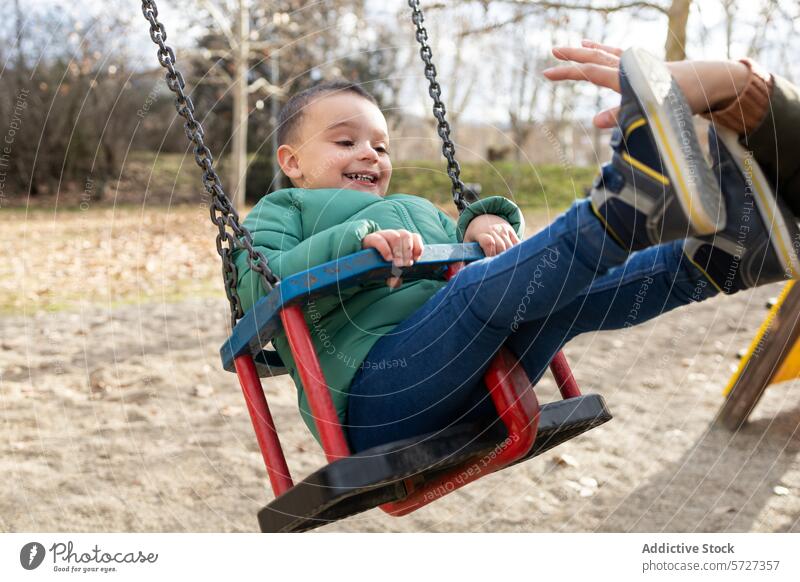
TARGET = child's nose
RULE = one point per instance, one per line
(369, 153)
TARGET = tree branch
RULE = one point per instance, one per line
(220, 21)
(536, 7)
(261, 84)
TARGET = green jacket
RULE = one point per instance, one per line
(297, 229)
(776, 142)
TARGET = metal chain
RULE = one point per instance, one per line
(435, 91)
(223, 214)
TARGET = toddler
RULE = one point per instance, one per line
(658, 231)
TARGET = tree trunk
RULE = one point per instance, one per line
(240, 109)
(675, 46)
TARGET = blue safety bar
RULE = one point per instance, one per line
(259, 325)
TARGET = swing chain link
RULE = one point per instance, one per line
(222, 212)
(435, 91)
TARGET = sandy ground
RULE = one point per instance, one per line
(120, 419)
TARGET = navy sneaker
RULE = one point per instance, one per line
(760, 242)
(658, 186)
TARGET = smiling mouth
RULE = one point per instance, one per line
(362, 178)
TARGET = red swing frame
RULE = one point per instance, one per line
(509, 387)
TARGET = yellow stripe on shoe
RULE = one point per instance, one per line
(701, 222)
(645, 169)
(634, 126)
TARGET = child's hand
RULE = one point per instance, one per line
(399, 246)
(493, 233)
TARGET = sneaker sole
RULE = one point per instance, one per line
(784, 235)
(669, 116)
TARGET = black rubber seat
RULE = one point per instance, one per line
(381, 475)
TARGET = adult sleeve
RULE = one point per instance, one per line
(775, 143)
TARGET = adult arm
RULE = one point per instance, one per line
(763, 109)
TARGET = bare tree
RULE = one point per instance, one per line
(729, 8)
(523, 91)
(528, 8)
(72, 108)
(597, 133)
(463, 73)
(232, 20)
(678, 17)
(764, 20)
(259, 51)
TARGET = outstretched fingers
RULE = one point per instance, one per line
(617, 52)
(586, 55)
(599, 75)
(594, 62)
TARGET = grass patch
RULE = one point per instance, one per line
(547, 186)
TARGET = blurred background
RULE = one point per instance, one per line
(116, 415)
(89, 125)
(98, 122)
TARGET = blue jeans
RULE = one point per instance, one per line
(568, 279)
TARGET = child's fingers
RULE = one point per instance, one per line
(488, 244)
(408, 249)
(403, 247)
(418, 247)
(508, 235)
(378, 241)
(505, 242)
(617, 52)
(397, 254)
(499, 243)
(506, 238)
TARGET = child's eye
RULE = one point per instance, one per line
(382, 149)
(345, 143)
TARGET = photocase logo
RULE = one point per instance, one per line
(31, 555)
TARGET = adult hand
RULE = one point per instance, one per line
(492, 233)
(401, 247)
(707, 85)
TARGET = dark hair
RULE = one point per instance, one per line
(292, 113)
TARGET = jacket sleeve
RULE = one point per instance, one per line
(277, 230)
(776, 141)
(449, 225)
(498, 205)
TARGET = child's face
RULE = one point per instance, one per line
(342, 142)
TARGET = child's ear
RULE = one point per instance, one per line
(288, 161)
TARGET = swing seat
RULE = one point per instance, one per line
(259, 325)
(381, 474)
(402, 476)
